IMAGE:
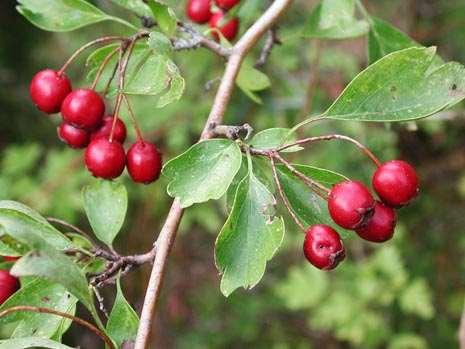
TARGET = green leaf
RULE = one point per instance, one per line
(56, 267)
(249, 238)
(136, 6)
(383, 39)
(63, 15)
(159, 43)
(164, 15)
(307, 206)
(123, 321)
(400, 86)
(8, 250)
(176, 86)
(106, 204)
(30, 229)
(203, 172)
(31, 342)
(38, 293)
(335, 19)
(250, 80)
(274, 138)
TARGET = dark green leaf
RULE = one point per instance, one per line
(31, 342)
(123, 321)
(159, 43)
(38, 293)
(105, 203)
(249, 238)
(335, 19)
(204, 171)
(164, 15)
(401, 86)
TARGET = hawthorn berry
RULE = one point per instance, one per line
(83, 108)
(144, 162)
(350, 204)
(396, 183)
(48, 89)
(228, 30)
(226, 4)
(73, 136)
(380, 227)
(10, 258)
(105, 159)
(8, 285)
(119, 133)
(199, 11)
(323, 247)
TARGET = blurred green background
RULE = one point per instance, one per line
(405, 294)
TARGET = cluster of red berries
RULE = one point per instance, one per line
(202, 11)
(8, 283)
(85, 126)
(352, 206)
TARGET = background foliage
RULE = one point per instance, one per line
(407, 293)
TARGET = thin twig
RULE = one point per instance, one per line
(271, 40)
(103, 65)
(100, 300)
(133, 118)
(283, 196)
(168, 233)
(70, 226)
(233, 132)
(79, 321)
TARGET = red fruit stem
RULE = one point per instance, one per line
(103, 65)
(283, 197)
(102, 40)
(362, 147)
(133, 119)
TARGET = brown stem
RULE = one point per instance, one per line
(103, 40)
(72, 227)
(103, 65)
(80, 321)
(283, 196)
(222, 98)
(133, 119)
(359, 145)
(271, 40)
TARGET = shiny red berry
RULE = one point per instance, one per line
(8, 285)
(105, 159)
(396, 183)
(323, 247)
(144, 162)
(380, 227)
(199, 10)
(228, 29)
(83, 108)
(226, 4)
(10, 258)
(48, 90)
(73, 136)
(350, 204)
(119, 133)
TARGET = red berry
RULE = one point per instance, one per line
(199, 10)
(228, 29)
(396, 183)
(119, 133)
(48, 90)
(380, 227)
(323, 247)
(8, 285)
(144, 162)
(83, 108)
(226, 4)
(350, 204)
(73, 136)
(10, 258)
(105, 159)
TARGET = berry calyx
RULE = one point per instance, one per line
(226, 4)
(105, 159)
(350, 204)
(83, 108)
(119, 133)
(73, 136)
(8, 285)
(228, 29)
(199, 10)
(48, 89)
(323, 247)
(144, 162)
(380, 227)
(396, 183)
